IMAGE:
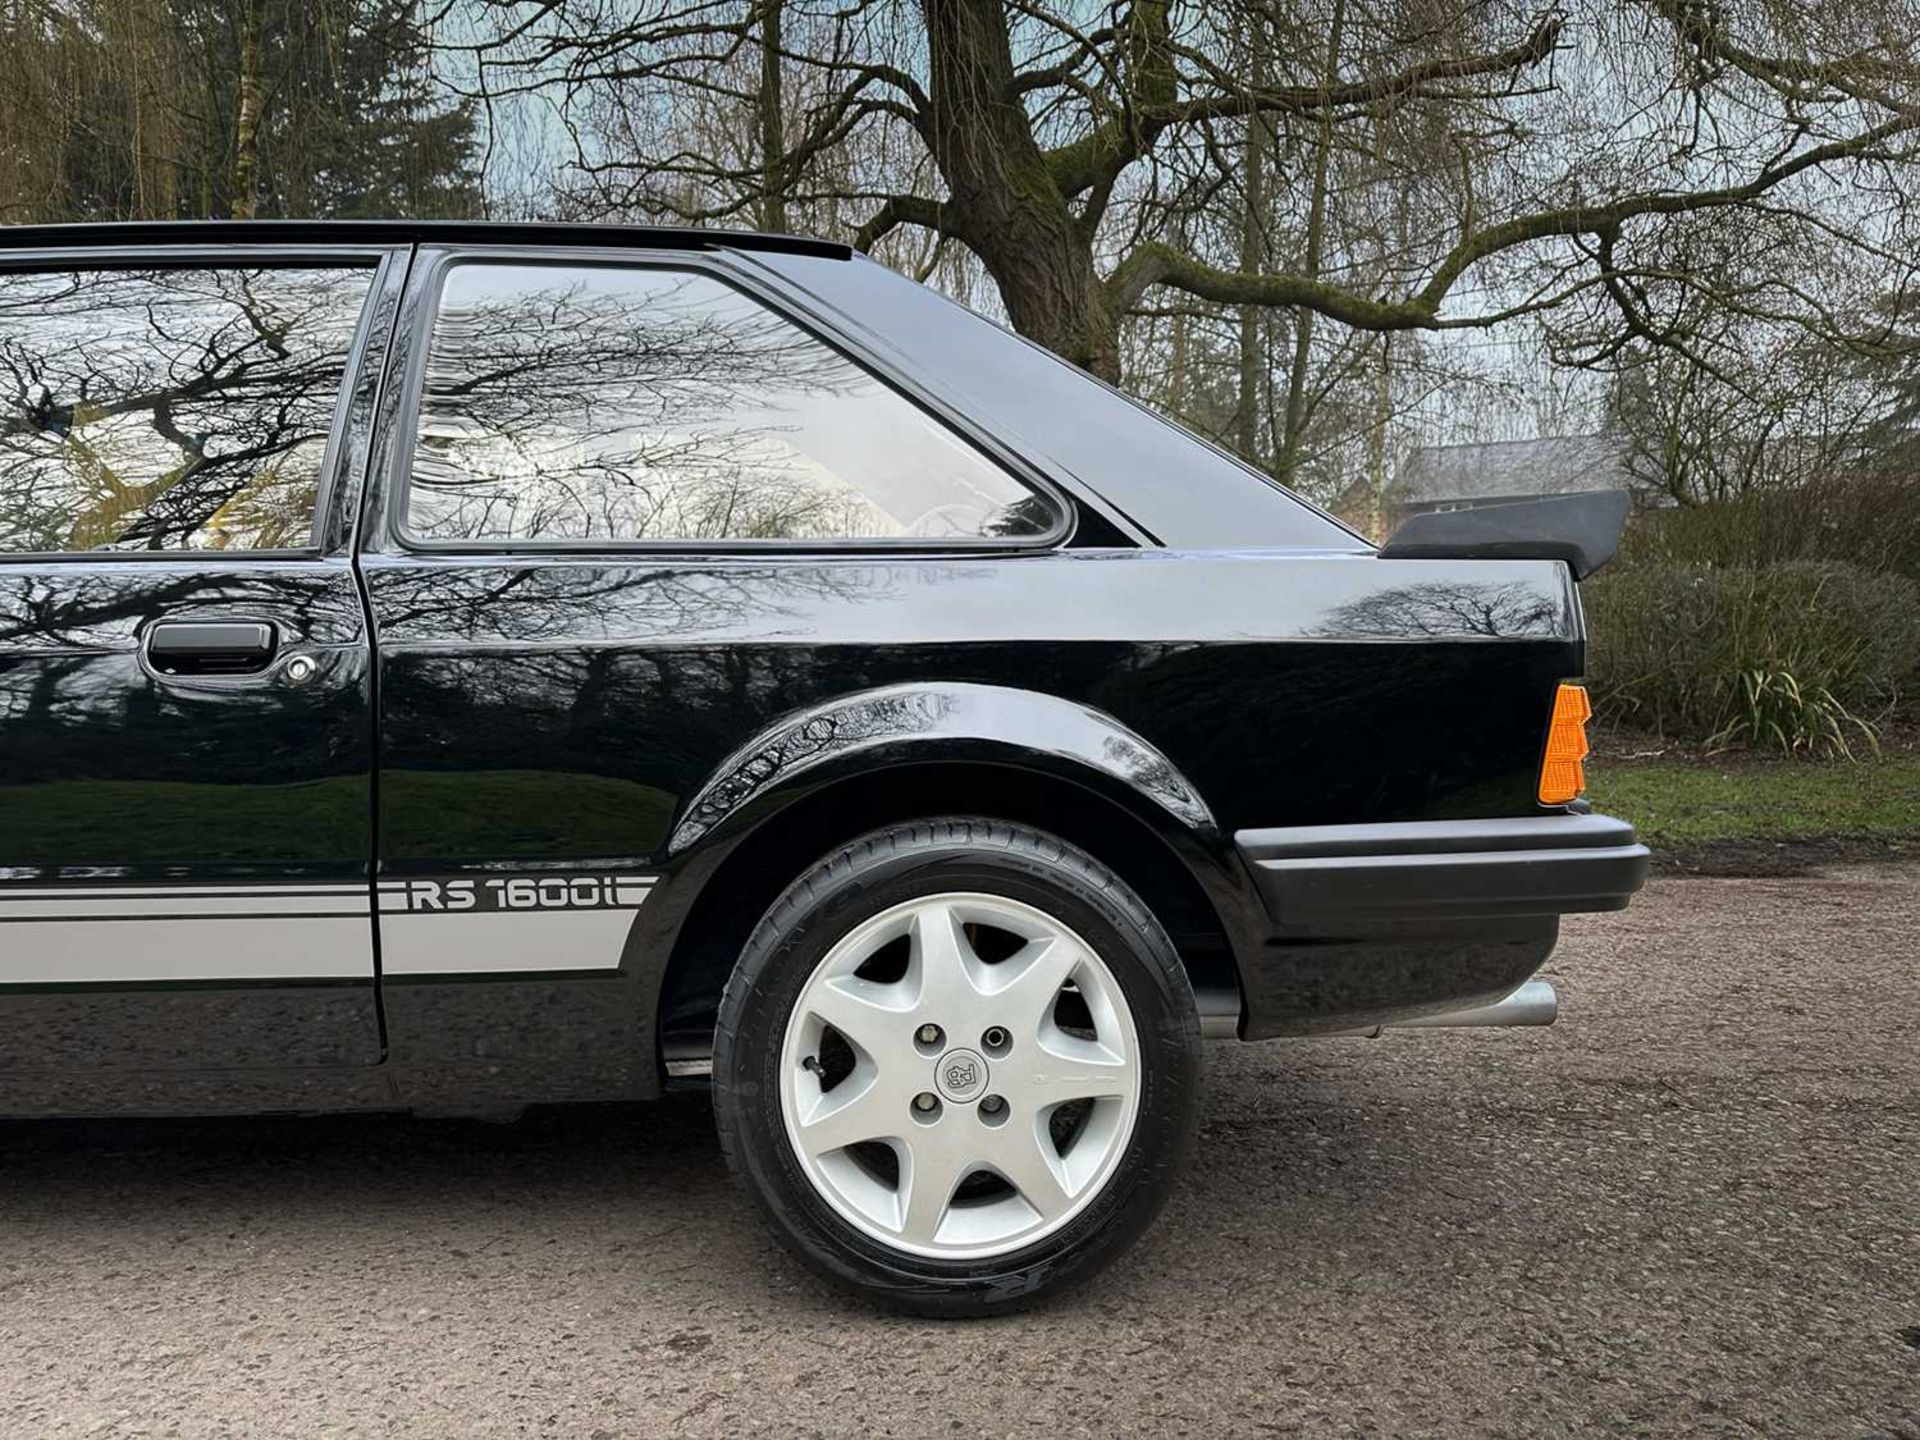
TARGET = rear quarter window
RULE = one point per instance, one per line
(610, 404)
(169, 409)
(1183, 491)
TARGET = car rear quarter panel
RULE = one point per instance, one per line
(581, 705)
(587, 712)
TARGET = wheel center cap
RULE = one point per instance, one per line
(961, 1076)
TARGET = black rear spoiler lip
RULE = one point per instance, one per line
(1582, 530)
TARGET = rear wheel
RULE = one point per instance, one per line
(957, 1065)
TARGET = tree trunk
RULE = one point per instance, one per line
(246, 129)
(1003, 200)
(1294, 433)
(1253, 261)
(773, 146)
(1376, 527)
(1057, 301)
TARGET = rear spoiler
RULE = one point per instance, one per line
(1583, 530)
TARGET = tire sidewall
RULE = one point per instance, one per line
(868, 878)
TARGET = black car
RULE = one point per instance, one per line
(458, 666)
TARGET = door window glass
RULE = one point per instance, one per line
(169, 409)
(590, 404)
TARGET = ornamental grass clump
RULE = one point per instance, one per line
(1803, 657)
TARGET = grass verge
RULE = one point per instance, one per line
(1756, 816)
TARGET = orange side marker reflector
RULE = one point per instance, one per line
(1562, 774)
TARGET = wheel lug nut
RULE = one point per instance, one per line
(925, 1101)
(995, 1039)
(928, 1035)
(993, 1105)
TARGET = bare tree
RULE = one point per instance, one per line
(1040, 138)
(245, 203)
(174, 109)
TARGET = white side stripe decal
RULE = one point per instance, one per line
(503, 943)
(86, 951)
(200, 905)
(151, 934)
(488, 893)
(490, 925)
(480, 925)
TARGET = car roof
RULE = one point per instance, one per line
(120, 234)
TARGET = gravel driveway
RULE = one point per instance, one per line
(1693, 1206)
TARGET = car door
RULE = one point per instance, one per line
(185, 668)
(625, 495)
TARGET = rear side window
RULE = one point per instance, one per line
(168, 409)
(608, 404)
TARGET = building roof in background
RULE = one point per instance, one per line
(1555, 465)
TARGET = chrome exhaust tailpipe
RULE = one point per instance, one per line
(1534, 1003)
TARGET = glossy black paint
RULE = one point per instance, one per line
(656, 710)
(113, 775)
(111, 772)
(640, 680)
(589, 714)
(111, 769)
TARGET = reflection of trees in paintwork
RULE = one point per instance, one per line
(582, 404)
(572, 602)
(103, 765)
(895, 715)
(497, 669)
(168, 409)
(640, 673)
(86, 608)
(1154, 774)
(1447, 609)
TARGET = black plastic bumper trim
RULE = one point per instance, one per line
(1325, 878)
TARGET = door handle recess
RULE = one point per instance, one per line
(210, 647)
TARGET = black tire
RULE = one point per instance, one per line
(882, 870)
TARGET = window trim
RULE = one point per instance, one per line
(378, 265)
(406, 421)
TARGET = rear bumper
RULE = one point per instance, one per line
(1458, 869)
(1372, 924)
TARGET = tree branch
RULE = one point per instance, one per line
(1096, 157)
(898, 210)
(1156, 263)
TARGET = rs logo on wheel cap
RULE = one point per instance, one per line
(961, 1076)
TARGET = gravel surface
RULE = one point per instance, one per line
(1692, 1207)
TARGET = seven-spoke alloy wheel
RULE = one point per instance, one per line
(1013, 1146)
(957, 1065)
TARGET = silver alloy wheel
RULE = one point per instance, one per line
(961, 1069)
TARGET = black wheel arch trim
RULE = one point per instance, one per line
(945, 721)
(940, 724)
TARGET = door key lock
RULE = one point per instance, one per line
(300, 669)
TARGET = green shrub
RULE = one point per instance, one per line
(1786, 656)
(1870, 520)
